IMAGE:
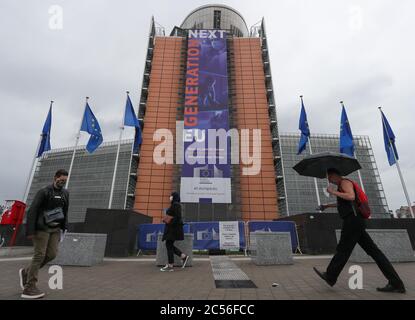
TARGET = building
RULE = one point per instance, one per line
(212, 71)
(301, 194)
(249, 104)
(91, 177)
(404, 212)
(216, 17)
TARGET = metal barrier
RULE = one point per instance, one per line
(207, 235)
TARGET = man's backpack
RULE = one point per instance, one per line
(361, 200)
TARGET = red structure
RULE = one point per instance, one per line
(13, 216)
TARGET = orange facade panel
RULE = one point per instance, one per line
(154, 182)
(258, 193)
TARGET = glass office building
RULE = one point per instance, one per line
(91, 177)
(301, 193)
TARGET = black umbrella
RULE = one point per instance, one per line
(316, 165)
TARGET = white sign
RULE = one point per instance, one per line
(194, 188)
(228, 235)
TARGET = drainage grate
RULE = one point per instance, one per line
(228, 275)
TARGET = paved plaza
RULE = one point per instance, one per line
(139, 278)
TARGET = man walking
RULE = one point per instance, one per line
(353, 232)
(46, 220)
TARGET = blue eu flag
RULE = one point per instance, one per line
(45, 142)
(131, 120)
(346, 136)
(389, 139)
(90, 124)
(305, 131)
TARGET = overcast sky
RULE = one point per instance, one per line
(361, 52)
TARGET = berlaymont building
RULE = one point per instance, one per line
(212, 71)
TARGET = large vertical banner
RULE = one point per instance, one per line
(206, 169)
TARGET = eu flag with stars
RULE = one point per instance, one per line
(346, 136)
(305, 131)
(131, 120)
(45, 142)
(389, 139)
(90, 124)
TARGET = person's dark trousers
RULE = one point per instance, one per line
(354, 232)
(171, 251)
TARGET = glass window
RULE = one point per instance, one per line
(216, 19)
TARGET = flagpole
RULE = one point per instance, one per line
(76, 145)
(116, 158)
(354, 155)
(360, 178)
(311, 152)
(399, 169)
(32, 171)
(315, 179)
(131, 160)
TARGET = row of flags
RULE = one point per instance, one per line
(347, 146)
(91, 125)
(346, 137)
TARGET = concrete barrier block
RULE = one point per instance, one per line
(271, 248)
(394, 243)
(81, 249)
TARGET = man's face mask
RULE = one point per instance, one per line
(60, 182)
(171, 198)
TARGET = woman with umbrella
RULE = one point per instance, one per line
(334, 167)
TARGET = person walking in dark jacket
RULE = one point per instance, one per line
(354, 232)
(173, 231)
(47, 219)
